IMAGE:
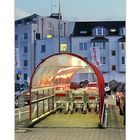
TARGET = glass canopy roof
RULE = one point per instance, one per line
(58, 69)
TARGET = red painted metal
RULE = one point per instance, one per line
(92, 66)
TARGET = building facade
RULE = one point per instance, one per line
(28, 32)
(102, 43)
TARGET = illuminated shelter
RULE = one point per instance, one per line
(57, 71)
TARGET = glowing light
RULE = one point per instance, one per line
(63, 47)
(49, 36)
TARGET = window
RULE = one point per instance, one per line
(16, 37)
(85, 46)
(17, 77)
(113, 53)
(123, 60)
(80, 46)
(104, 45)
(25, 35)
(25, 63)
(113, 67)
(113, 30)
(25, 76)
(49, 24)
(122, 31)
(101, 60)
(60, 26)
(25, 49)
(99, 31)
(43, 48)
(63, 47)
(104, 60)
(122, 46)
(83, 32)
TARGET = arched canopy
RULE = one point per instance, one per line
(58, 69)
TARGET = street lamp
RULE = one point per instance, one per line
(59, 27)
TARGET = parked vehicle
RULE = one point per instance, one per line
(92, 86)
(120, 101)
(74, 85)
(21, 89)
(83, 83)
(107, 89)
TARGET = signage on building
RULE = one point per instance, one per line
(17, 58)
(95, 55)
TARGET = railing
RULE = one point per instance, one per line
(41, 106)
(104, 117)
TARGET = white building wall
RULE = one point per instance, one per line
(75, 46)
(112, 45)
(20, 30)
(51, 26)
(52, 47)
(121, 54)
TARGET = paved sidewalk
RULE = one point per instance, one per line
(70, 134)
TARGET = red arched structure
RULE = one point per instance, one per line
(99, 76)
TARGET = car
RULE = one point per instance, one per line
(120, 101)
(74, 85)
(21, 89)
(107, 89)
(92, 86)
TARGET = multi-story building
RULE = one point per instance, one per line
(101, 42)
(27, 31)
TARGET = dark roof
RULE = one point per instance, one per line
(99, 39)
(56, 16)
(86, 27)
(26, 19)
(121, 39)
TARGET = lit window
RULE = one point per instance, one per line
(113, 53)
(63, 47)
(113, 67)
(83, 32)
(112, 30)
(43, 48)
(25, 35)
(49, 36)
(123, 60)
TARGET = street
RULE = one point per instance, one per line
(70, 134)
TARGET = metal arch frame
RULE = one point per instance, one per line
(100, 80)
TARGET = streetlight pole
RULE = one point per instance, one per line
(59, 27)
(34, 50)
